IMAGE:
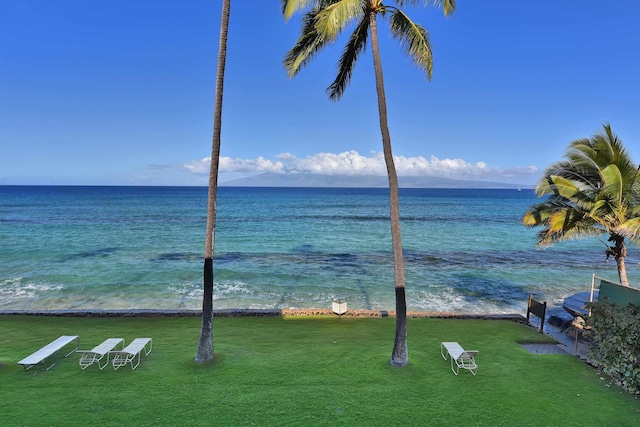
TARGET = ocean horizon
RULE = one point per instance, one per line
(115, 248)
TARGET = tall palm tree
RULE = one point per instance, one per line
(323, 21)
(205, 345)
(595, 191)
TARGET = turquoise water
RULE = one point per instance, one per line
(142, 247)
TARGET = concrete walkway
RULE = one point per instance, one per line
(545, 348)
(566, 343)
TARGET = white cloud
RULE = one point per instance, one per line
(229, 165)
(354, 164)
(346, 163)
(199, 167)
(259, 165)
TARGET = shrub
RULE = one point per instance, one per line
(615, 331)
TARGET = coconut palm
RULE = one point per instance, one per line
(322, 22)
(205, 345)
(595, 191)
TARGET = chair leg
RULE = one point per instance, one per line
(133, 359)
(105, 363)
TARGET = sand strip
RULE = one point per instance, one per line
(256, 313)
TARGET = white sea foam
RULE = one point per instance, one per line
(231, 287)
(446, 300)
(12, 290)
(190, 291)
(186, 290)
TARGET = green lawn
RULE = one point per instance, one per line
(302, 371)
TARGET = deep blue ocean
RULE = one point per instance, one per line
(142, 247)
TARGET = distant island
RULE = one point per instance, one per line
(368, 181)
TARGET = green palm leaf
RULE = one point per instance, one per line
(289, 7)
(414, 39)
(564, 187)
(612, 183)
(352, 50)
(332, 19)
(630, 229)
(309, 43)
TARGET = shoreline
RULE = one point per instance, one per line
(257, 313)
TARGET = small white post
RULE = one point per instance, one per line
(339, 307)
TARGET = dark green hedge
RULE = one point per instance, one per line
(615, 331)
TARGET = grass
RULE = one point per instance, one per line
(302, 371)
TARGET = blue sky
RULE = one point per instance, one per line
(121, 92)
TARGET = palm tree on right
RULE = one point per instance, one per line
(595, 191)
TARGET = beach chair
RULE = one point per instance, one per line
(132, 353)
(50, 351)
(460, 358)
(97, 353)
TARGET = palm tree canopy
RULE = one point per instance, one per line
(325, 20)
(289, 7)
(595, 190)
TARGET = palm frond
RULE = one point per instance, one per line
(540, 214)
(630, 229)
(568, 224)
(580, 232)
(545, 186)
(613, 186)
(289, 7)
(618, 154)
(414, 39)
(609, 215)
(564, 187)
(355, 46)
(309, 43)
(333, 18)
(537, 215)
(585, 174)
(583, 152)
(565, 193)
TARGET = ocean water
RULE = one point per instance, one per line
(142, 247)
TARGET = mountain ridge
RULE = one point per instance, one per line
(368, 181)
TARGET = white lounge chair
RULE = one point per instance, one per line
(97, 353)
(460, 358)
(132, 353)
(54, 348)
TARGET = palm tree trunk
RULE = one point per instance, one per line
(622, 271)
(620, 253)
(205, 345)
(400, 355)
